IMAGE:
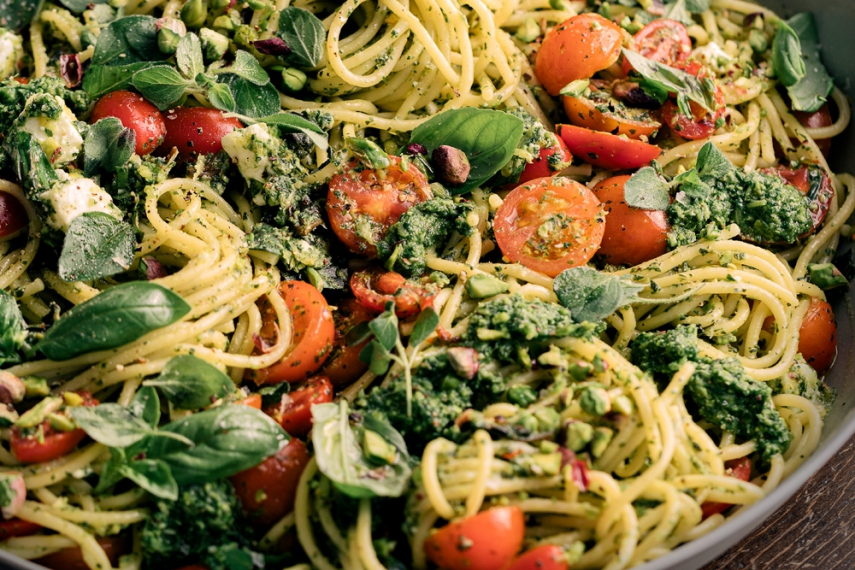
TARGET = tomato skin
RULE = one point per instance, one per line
(17, 527)
(196, 130)
(524, 212)
(738, 468)
(546, 557)
(312, 339)
(607, 150)
(577, 49)
(268, 490)
(13, 216)
(374, 287)
(539, 167)
(343, 366)
(28, 449)
(135, 113)
(253, 401)
(294, 412)
(72, 558)
(665, 41)
(585, 113)
(815, 120)
(382, 199)
(818, 335)
(493, 537)
(632, 235)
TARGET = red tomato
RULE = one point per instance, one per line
(577, 49)
(52, 444)
(818, 335)
(486, 541)
(539, 167)
(372, 201)
(812, 181)
(312, 339)
(815, 120)
(344, 366)
(267, 491)
(546, 557)
(196, 130)
(632, 235)
(13, 216)
(665, 41)
(600, 112)
(253, 401)
(701, 124)
(135, 113)
(549, 225)
(17, 527)
(738, 468)
(374, 288)
(294, 411)
(607, 150)
(21, 80)
(72, 558)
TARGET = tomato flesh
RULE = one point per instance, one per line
(374, 288)
(196, 130)
(51, 444)
(135, 113)
(606, 150)
(344, 366)
(546, 557)
(268, 490)
(312, 337)
(601, 112)
(294, 411)
(17, 527)
(737, 468)
(818, 335)
(539, 167)
(13, 216)
(486, 541)
(549, 225)
(666, 41)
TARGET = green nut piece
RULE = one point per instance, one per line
(224, 23)
(579, 435)
(214, 44)
(545, 463)
(758, 41)
(595, 401)
(39, 413)
(481, 286)
(377, 449)
(219, 4)
(522, 395)
(72, 399)
(194, 13)
(547, 446)
(602, 438)
(167, 40)
(547, 419)
(826, 276)
(293, 78)
(368, 152)
(257, 4)
(87, 38)
(622, 405)
(575, 552)
(36, 386)
(528, 32)
(61, 423)
(527, 422)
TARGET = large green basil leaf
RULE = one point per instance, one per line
(16, 14)
(108, 145)
(191, 383)
(117, 426)
(13, 329)
(813, 89)
(592, 295)
(227, 439)
(102, 79)
(340, 456)
(112, 318)
(152, 475)
(250, 99)
(304, 34)
(96, 245)
(787, 56)
(489, 139)
(128, 40)
(146, 405)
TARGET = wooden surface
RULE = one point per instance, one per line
(815, 531)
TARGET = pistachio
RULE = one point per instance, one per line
(464, 361)
(194, 12)
(13, 492)
(579, 434)
(12, 390)
(172, 24)
(528, 31)
(167, 41)
(60, 422)
(214, 44)
(602, 438)
(39, 413)
(151, 268)
(595, 401)
(224, 23)
(36, 386)
(368, 152)
(522, 395)
(293, 78)
(450, 165)
(826, 276)
(72, 399)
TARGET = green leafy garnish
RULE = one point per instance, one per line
(660, 78)
(787, 55)
(96, 245)
(813, 89)
(592, 295)
(108, 145)
(191, 383)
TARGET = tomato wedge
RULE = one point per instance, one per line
(606, 150)
(312, 339)
(294, 410)
(486, 541)
(818, 335)
(599, 111)
(49, 444)
(546, 557)
(550, 224)
(344, 366)
(373, 288)
(539, 167)
(666, 41)
(738, 468)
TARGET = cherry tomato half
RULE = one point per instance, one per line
(546, 557)
(13, 216)
(816, 120)
(539, 167)
(312, 338)
(17, 527)
(599, 111)
(72, 558)
(344, 366)
(374, 288)
(486, 541)
(607, 150)
(294, 411)
(818, 335)
(813, 182)
(738, 468)
(365, 203)
(702, 123)
(632, 235)
(196, 130)
(135, 113)
(666, 41)
(549, 225)
(51, 444)
(267, 491)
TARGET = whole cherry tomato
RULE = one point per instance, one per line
(546, 557)
(702, 123)
(135, 113)
(13, 216)
(48, 444)
(818, 335)
(738, 468)
(539, 167)
(486, 541)
(374, 287)
(607, 150)
(294, 411)
(196, 130)
(817, 119)
(343, 366)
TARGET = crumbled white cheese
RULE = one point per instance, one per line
(72, 196)
(58, 137)
(11, 51)
(251, 148)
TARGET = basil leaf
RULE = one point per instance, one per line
(16, 14)
(690, 183)
(146, 406)
(227, 439)
(341, 457)
(102, 79)
(250, 99)
(112, 318)
(291, 123)
(426, 323)
(78, 6)
(488, 138)
(30, 164)
(787, 55)
(96, 245)
(646, 190)
(385, 329)
(188, 56)
(592, 295)
(661, 77)
(813, 89)
(112, 424)
(108, 145)
(679, 11)
(304, 33)
(152, 475)
(191, 383)
(161, 85)
(111, 472)
(13, 329)
(246, 67)
(221, 97)
(128, 40)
